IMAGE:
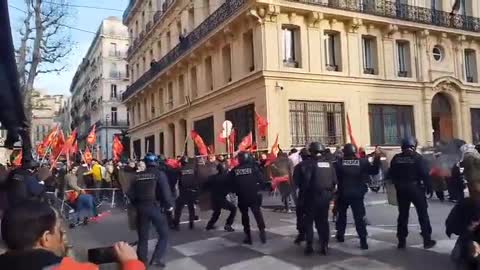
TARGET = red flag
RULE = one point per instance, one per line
(246, 143)
(211, 149)
(57, 144)
(41, 149)
(201, 147)
(17, 161)
(88, 155)
(70, 142)
(273, 152)
(92, 138)
(173, 163)
(262, 125)
(350, 133)
(47, 141)
(75, 148)
(232, 163)
(117, 148)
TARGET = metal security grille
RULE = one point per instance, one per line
(137, 151)
(312, 121)
(243, 120)
(389, 124)
(205, 129)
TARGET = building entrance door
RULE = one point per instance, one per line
(442, 119)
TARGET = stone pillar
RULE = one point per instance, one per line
(466, 117)
(169, 141)
(355, 65)
(427, 126)
(179, 137)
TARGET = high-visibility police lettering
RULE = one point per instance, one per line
(244, 171)
(351, 162)
(188, 172)
(405, 160)
(323, 165)
(145, 176)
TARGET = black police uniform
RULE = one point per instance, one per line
(353, 175)
(219, 188)
(247, 181)
(410, 177)
(150, 194)
(318, 180)
(188, 187)
(299, 210)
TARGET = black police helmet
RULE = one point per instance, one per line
(409, 143)
(349, 150)
(304, 154)
(316, 148)
(184, 160)
(150, 159)
(243, 157)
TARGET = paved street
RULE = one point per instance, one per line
(199, 249)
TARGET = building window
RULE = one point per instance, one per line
(471, 66)
(333, 51)
(159, 48)
(137, 149)
(181, 89)
(114, 116)
(113, 50)
(143, 19)
(114, 72)
(139, 115)
(243, 119)
(369, 49)
(133, 115)
(205, 128)
(208, 73)
(291, 46)
(152, 103)
(152, 58)
(145, 110)
(138, 71)
(144, 63)
(170, 95)
(169, 41)
(113, 91)
(193, 81)
(403, 50)
(162, 143)
(390, 123)
(438, 53)
(316, 121)
(127, 71)
(227, 64)
(136, 29)
(191, 19)
(128, 116)
(475, 118)
(161, 101)
(249, 53)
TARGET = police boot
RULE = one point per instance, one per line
(176, 226)
(402, 243)
(300, 238)
(323, 249)
(263, 236)
(308, 249)
(210, 227)
(340, 238)
(191, 225)
(228, 228)
(428, 243)
(363, 243)
(248, 238)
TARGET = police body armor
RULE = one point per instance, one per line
(246, 184)
(350, 182)
(188, 177)
(321, 181)
(405, 172)
(146, 187)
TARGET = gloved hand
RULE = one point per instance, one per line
(429, 192)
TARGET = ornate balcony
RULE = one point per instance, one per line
(391, 9)
(222, 14)
(148, 27)
(157, 16)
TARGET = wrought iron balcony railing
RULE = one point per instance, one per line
(392, 9)
(128, 9)
(222, 14)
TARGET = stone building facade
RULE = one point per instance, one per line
(395, 68)
(97, 87)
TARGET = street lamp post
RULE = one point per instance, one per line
(107, 117)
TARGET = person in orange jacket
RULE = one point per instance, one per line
(35, 240)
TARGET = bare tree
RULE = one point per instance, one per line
(44, 43)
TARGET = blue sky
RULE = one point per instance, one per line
(83, 18)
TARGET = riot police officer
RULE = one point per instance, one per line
(317, 183)
(410, 177)
(151, 195)
(247, 181)
(353, 175)
(299, 212)
(188, 187)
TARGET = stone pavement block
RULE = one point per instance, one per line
(185, 263)
(263, 263)
(443, 246)
(290, 230)
(272, 246)
(355, 264)
(352, 246)
(204, 246)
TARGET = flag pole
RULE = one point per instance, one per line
(185, 146)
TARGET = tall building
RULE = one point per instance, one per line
(45, 114)
(64, 116)
(98, 85)
(395, 68)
